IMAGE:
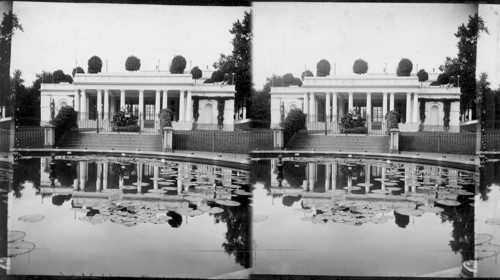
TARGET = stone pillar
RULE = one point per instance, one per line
(83, 105)
(49, 135)
(99, 104)
(408, 107)
(189, 106)
(182, 107)
(106, 104)
(384, 104)
(327, 106)
(415, 108)
(141, 108)
(165, 100)
(350, 105)
(122, 99)
(391, 102)
(278, 139)
(168, 133)
(369, 111)
(394, 147)
(334, 106)
(306, 103)
(311, 107)
(77, 100)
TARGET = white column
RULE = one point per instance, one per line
(369, 104)
(141, 102)
(311, 106)
(77, 101)
(165, 100)
(384, 104)
(181, 106)
(408, 107)
(99, 103)
(351, 102)
(415, 107)
(106, 104)
(83, 105)
(391, 102)
(306, 104)
(334, 106)
(122, 99)
(189, 107)
(327, 105)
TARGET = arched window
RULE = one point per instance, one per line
(208, 113)
(434, 115)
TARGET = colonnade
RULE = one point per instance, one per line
(185, 102)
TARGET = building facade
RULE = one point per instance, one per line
(327, 99)
(97, 97)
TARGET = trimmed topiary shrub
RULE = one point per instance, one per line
(307, 73)
(422, 75)
(293, 123)
(404, 67)
(178, 65)
(323, 68)
(166, 116)
(360, 66)
(196, 73)
(95, 65)
(66, 119)
(132, 63)
(78, 70)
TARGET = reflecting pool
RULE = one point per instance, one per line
(487, 227)
(127, 217)
(347, 216)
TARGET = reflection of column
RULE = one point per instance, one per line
(312, 175)
(83, 174)
(349, 183)
(120, 182)
(179, 185)
(407, 172)
(334, 176)
(76, 182)
(98, 180)
(155, 175)
(139, 178)
(383, 177)
(105, 175)
(328, 175)
(367, 177)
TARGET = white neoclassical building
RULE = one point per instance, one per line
(99, 96)
(373, 95)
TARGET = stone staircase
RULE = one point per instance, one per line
(115, 141)
(336, 142)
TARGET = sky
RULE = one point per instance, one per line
(59, 35)
(291, 36)
(488, 46)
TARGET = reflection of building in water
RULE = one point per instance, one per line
(322, 179)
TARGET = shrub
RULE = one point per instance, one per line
(352, 120)
(360, 66)
(297, 82)
(217, 76)
(288, 79)
(178, 65)
(434, 84)
(165, 116)
(78, 70)
(132, 63)
(294, 122)
(392, 120)
(208, 81)
(66, 119)
(323, 68)
(95, 65)
(443, 79)
(196, 73)
(422, 75)
(307, 73)
(404, 67)
(124, 122)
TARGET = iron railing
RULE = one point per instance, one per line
(438, 142)
(90, 122)
(331, 124)
(492, 141)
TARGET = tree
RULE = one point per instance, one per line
(306, 73)
(196, 73)
(464, 65)
(360, 66)
(297, 81)
(60, 77)
(294, 121)
(26, 105)
(288, 79)
(95, 65)
(443, 79)
(323, 68)
(66, 119)
(132, 63)
(10, 23)
(261, 106)
(78, 70)
(178, 65)
(422, 75)
(404, 67)
(217, 77)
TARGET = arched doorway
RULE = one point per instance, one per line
(434, 115)
(208, 113)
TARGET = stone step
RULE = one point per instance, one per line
(146, 142)
(353, 143)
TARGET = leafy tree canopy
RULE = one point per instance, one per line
(360, 66)
(132, 63)
(404, 67)
(323, 68)
(94, 65)
(10, 23)
(178, 65)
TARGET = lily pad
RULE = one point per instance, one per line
(431, 209)
(482, 238)
(31, 218)
(142, 184)
(15, 235)
(493, 221)
(19, 248)
(159, 191)
(215, 210)
(448, 202)
(486, 250)
(128, 187)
